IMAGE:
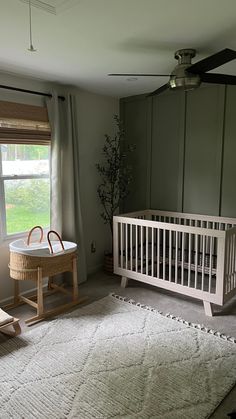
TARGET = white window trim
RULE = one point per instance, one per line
(3, 224)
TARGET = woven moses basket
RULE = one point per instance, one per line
(25, 267)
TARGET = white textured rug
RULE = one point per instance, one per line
(114, 359)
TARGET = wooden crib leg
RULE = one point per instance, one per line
(124, 282)
(208, 308)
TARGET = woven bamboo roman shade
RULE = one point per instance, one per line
(24, 124)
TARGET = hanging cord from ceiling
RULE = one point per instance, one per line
(31, 47)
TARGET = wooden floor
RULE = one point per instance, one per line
(99, 285)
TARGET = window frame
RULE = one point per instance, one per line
(3, 219)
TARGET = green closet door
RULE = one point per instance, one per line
(167, 151)
(228, 203)
(134, 116)
(203, 150)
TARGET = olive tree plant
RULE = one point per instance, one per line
(115, 173)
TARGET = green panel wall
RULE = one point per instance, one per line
(228, 196)
(203, 148)
(134, 115)
(167, 151)
(186, 148)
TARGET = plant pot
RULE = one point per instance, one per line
(108, 263)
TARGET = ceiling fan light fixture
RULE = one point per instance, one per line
(180, 78)
(184, 82)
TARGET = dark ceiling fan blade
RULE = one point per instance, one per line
(160, 90)
(139, 75)
(218, 78)
(213, 61)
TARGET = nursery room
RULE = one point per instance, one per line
(117, 209)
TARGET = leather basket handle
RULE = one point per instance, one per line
(49, 241)
(30, 233)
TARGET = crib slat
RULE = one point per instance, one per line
(152, 251)
(207, 239)
(196, 260)
(229, 257)
(182, 259)
(164, 254)
(158, 253)
(203, 260)
(131, 247)
(136, 248)
(234, 278)
(227, 264)
(147, 250)
(141, 249)
(234, 275)
(232, 272)
(230, 263)
(121, 245)
(170, 253)
(189, 257)
(210, 263)
(126, 246)
(233, 262)
(176, 256)
(231, 267)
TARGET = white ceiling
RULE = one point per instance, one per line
(81, 41)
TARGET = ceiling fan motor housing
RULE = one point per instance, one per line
(180, 78)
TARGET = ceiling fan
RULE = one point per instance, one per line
(188, 76)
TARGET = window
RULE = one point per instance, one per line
(24, 187)
(24, 174)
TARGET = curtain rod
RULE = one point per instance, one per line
(32, 92)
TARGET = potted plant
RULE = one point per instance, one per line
(116, 176)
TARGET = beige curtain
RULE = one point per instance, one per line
(66, 217)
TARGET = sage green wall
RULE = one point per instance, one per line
(167, 151)
(203, 149)
(134, 116)
(228, 195)
(187, 146)
(95, 118)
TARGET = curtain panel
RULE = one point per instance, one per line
(66, 217)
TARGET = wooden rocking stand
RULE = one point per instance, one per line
(26, 267)
(12, 328)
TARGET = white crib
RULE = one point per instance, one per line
(190, 254)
